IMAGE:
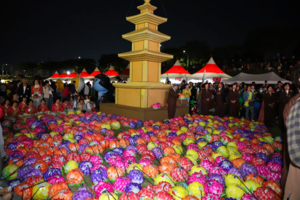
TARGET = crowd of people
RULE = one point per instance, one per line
(19, 97)
(262, 102)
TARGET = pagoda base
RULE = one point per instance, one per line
(143, 114)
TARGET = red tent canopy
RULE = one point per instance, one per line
(64, 75)
(84, 73)
(95, 72)
(111, 72)
(72, 75)
(176, 71)
(211, 67)
(55, 76)
(126, 71)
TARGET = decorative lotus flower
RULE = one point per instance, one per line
(234, 191)
(121, 184)
(10, 172)
(82, 193)
(156, 106)
(196, 189)
(178, 192)
(41, 190)
(71, 164)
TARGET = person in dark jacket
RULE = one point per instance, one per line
(270, 99)
(284, 96)
(233, 101)
(205, 99)
(219, 100)
(172, 100)
(24, 90)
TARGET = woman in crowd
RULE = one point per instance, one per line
(219, 100)
(233, 101)
(73, 102)
(48, 94)
(269, 110)
(248, 98)
(6, 107)
(284, 96)
(43, 106)
(23, 105)
(14, 110)
(57, 106)
(205, 98)
(30, 109)
(37, 93)
(66, 104)
(81, 106)
(187, 93)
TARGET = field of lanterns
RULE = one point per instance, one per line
(89, 156)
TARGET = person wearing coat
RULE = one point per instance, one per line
(233, 101)
(37, 93)
(284, 97)
(219, 100)
(205, 99)
(81, 105)
(48, 94)
(172, 100)
(270, 100)
(249, 99)
(24, 90)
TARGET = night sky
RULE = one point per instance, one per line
(37, 31)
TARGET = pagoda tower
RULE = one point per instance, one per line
(144, 88)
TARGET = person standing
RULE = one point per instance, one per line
(205, 98)
(219, 100)
(233, 101)
(284, 97)
(2, 152)
(24, 90)
(291, 115)
(248, 98)
(86, 90)
(269, 110)
(172, 100)
(48, 94)
(37, 93)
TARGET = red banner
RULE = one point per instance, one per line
(216, 79)
(178, 79)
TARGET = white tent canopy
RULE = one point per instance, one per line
(271, 77)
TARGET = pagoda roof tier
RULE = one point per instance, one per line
(146, 17)
(145, 55)
(147, 6)
(146, 34)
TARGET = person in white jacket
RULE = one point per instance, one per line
(86, 90)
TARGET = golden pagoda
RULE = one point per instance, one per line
(135, 98)
(144, 88)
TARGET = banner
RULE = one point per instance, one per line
(178, 79)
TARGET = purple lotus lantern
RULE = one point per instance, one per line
(29, 161)
(28, 171)
(118, 150)
(133, 187)
(82, 193)
(12, 146)
(98, 175)
(139, 123)
(236, 172)
(85, 167)
(132, 125)
(226, 165)
(218, 178)
(157, 152)
(247, 169)
(136, 176)
(263, 156)
(51, 172)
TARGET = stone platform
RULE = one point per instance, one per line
(141, 113)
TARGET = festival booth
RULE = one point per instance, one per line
(271, 77)
(125, 73)
(111, 72)
(176, 74)
(210, 71)
(72, 75)
(64, 75)
(55, 76)
(95, 73)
